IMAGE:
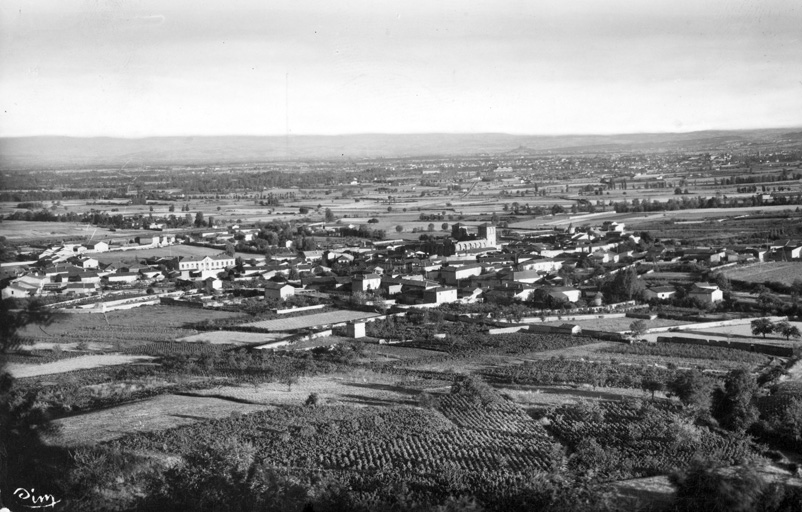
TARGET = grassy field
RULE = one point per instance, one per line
(781, 272)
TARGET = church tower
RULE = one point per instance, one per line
(488, 232)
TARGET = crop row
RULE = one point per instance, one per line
(404, 440)
(674, 350)
(173, 348)
(464, 412)
(659, 436)
(557, 371)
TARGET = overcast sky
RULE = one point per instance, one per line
(206, 67)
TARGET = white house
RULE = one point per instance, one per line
(706, 293)
(365, 282)
(440, 295)
(281, 291)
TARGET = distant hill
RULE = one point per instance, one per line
(69, 152)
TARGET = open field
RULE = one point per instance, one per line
(231, 338)
(158, 413)
(15, 230)
(784, 272)
(746, 330)
(167, 252)
(123, 328)
(302, 322)
(618, 324)
(21, 371)
(360, 389)
(636, 219)
(31, 231)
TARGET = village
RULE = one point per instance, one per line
(553, 272)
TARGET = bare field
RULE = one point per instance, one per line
(302, 322)
(159, 413)
(782, 272)
(21, 371)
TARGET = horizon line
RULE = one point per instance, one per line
(353, 134)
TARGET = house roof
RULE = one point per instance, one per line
(272, 285)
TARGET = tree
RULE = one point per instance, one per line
(787, 329)
(399, 228)
(762, 326)
(199, 219)
(638, 328)
(734, 406)
(693, 389)
(230, 250)
(705, 487)
(329, 215)
(444, 226)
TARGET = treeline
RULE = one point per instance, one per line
(687, 203)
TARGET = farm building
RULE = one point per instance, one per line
(84, 262)
(706, 293)
(564, 292)
(281, 291)
(99, 246)
(660, 292)
(14, 291)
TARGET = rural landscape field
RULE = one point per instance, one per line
(479, 338)
(400, 256)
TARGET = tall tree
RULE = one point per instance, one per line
(762, 326)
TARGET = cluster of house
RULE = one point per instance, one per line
(71, 270)
(471, 264)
